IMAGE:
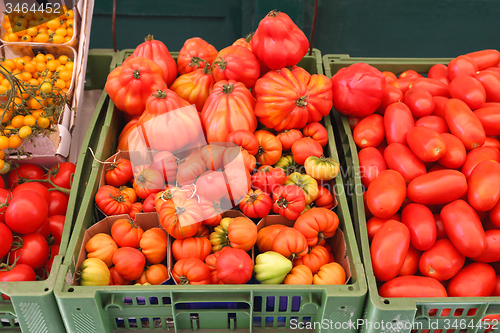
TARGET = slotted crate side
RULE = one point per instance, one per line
(252, 307)
(33, 307)
(103, 62)
(412, 315)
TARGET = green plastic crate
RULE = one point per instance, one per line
(33, 307)
(98, 66)
(412, 314)
(212, 308)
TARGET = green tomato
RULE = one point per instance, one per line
(6, 168)
(94, 273)
(288, 165)
(271, 267)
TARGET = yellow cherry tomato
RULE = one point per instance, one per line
(3, 89)
(26, 39)
(26, 76)
(30, 67)
(15, 141)
(2, 155)
(43, 122)
(57, 39)
(65, 75)
(69, 14)
(6, 117)
(69, 66)
(29, 120)
(35, 103)
(46, 87)
(40, 57)
(54, 24)
(13, 37)
(41, 38)
(67, 39)
(69, 32)
(4, 142)
(51, 65)
(61, 32)
(18, 121)
(7, 129)
(10, 64)
(38, 114)
(32, 31)
(24, 132)
(61, 84)
(40, 66)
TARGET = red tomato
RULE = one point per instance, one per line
(490, 80)
(370, 131)
(62, 174)
(475, 280)
(236, 63)
(382, 147)
(490, 119)
(26, 213)
(410, 266)
(234, 266)
(439, 104)
(4, 198)
(392, 95)
(371, 163)
(389, 249)
(492, 142)
(485, 58)
(463, 227)
(358, 90)
(402, 84)
(368, 214)
(419, 101)
(461, 66)
(119, 173)
(477, 156)
(434, 87)
(492, 252)
(267, 179)
(468, 90)
(129, 263)
(25, 170)
(439, 72)
(484, 186)
(438, 187)
(373, 224)
(386, 194)
(256, 204)
(464, 124)
(34, 251)
(412, 286)
(58, 203)
(495, 215)
(401, 159)
(496, 292)
(244, 139)
(398, 121)
(426, 144)
(304, 148)
(317, 224)
(289, 137)
(455, 154)
(149, 204)
(442, 261)
(324, 199)
(435, 123)
(410, 74)
(165, 163)
(44, 230)
(289, 201)
(317, 132)
(212, 185)
(353, 122)
(37, 187)
(191, 271)
(20, 272)
(5, 240)
(389, 76)
(421, 224)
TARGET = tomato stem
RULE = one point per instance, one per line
(118, 198)
(183, 280)
(222, 65)
(136, 74)
(148, 38)
(282, 202)
(273, 13)
(302, 101)
(179, 210)
(160, 94)
(248, 37)
(227, 88)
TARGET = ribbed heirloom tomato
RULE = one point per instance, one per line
(238, 233)
(266, 236)
(267, 178)
(153, 245)
(129, 262)
(181, 217)
(288, 138)
(317, 257)
(191, 247)
(103, 247)
(236, 63)
(256, 204)
(119, 173)
(126, 233)
(289, 201)
(317, 224)
(191, 271)
(195, 48)
(300, 274)
(290, 243)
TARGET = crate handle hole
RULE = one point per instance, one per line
(342, 308)
(78, 309)
(71, 290)
(386, 301)
(351, 288)
(46, 289)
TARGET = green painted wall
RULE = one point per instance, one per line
(384, 28)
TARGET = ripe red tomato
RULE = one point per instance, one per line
(370, 131)
(419, 101)
(267, 178)
(461, 66)
(244, 139)
(44, 230)
(421, 224)
(26, 213)
(438, 187)
(463, 227)
(402, 84)
(439, 104)
(129, 263)
(37, 187)
(412, 286)
(400, 158)
(191, 271)
(371, 163)
(191, 247)
(358, 90)
(56, 226)
(410, 266)
(290, 243)
(455, 154)
(495, 215)
(4, 198)
(212, 185)
(304, 148)
(435, 123)
(25, 170)
(34, 251)
(386, 194)
(234, 266)
(392, 95)
(317, 224)
(58, 203)
(317, 257)
(20, 272)
(374, 223)
(389, 76)
(353, 122)
(148, 181)
(468, 90)
(324, 199)
(441, 233)
(410, 74)
(398, 121)
(317, 132)
(389, 249)
(434, 87)
(485, 58)
(442, 261)
(126, 233)
(475, 280)
(490, 119)
(236, 63)
(426, 144)
(288, 138)
(5, 240)
(62, 174)
(119, 173)
(256, 204)
(490, 80)
(464, 124)
(439, 72)
(484, 186)
(289, 201)
(477, 156)
(492, 252)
